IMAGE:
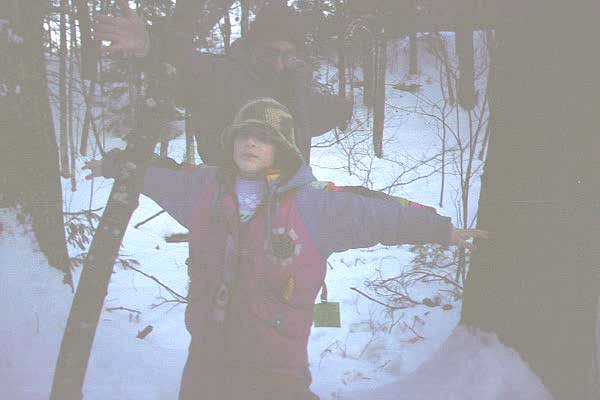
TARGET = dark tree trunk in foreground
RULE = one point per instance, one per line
(535, 282)
(29, 153)
(81, 327)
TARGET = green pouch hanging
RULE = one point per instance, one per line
(326, 314)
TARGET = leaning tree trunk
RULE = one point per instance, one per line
(29, 153)
(535, 283)
(154, 112)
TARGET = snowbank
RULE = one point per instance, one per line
(35, 308)
(470, 365)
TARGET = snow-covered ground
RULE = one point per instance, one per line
(35, 307)
(421, 354)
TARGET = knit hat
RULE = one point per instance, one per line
(271, 115)
(276, 21)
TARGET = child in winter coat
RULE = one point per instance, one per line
(261, 229)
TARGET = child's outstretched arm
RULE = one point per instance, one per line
(342, 219)
(460, 236)
(174, 189)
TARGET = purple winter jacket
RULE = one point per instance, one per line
(253, 285)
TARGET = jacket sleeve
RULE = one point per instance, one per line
(342, 220)
(174, 189)
(328, 111)
(323, 111)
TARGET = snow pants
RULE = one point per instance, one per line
(205, 379)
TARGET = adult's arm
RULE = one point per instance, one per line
(328, 111)
(323, 111)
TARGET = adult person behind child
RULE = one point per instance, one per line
(261, 229)
(213, 87)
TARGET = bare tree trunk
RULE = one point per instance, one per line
(245, 16)
(467, 97)
(164, 149)
(164, 145)
(190, 148)
(62, 91)
(226, 31)
(535, 283)
(29, 154)
(413, 67)
(71, 116)
(89, 53)
(85, 131)
(466, 81)
(368, 62)
(341, 48)
(89, 69)
(379, 106)
(341, 69)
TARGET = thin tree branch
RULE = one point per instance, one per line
(379, 302)
(173, 293)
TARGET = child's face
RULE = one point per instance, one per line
(253, 152)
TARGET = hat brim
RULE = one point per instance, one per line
(232, 130)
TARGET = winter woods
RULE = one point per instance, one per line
(438, 102)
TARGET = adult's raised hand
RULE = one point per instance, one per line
(127, 33)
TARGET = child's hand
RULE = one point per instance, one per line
(95, 167)
(460, 237)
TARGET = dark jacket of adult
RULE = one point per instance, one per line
(214, 87)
